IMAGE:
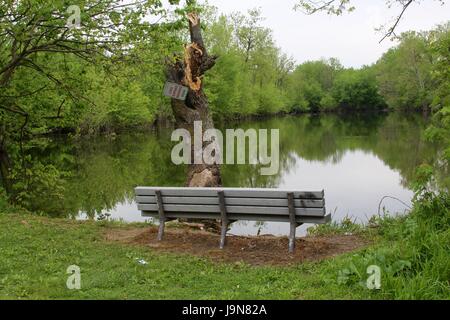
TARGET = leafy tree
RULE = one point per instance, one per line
(440, 128)
(311, 84)
(250, 76)
(404, 73)
(43, 55)
(357, 89)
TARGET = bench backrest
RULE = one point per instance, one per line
(240, 203)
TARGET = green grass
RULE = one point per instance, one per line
(35, 257)
(36, 251)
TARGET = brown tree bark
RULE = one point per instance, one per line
(188, 71)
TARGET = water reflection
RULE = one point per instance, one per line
(357, 159)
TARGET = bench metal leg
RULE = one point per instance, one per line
(292, 236)
(293, 222)
(161, 230)
(223, 234)
(224, 218)
(162, 217)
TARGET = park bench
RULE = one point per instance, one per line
(232, 204)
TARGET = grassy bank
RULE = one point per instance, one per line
(36, 251)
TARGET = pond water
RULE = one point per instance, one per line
(356, 159)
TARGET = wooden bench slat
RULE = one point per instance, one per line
(300, 203)
(317, 212)
(229, 192)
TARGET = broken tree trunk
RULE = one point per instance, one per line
(188, 71)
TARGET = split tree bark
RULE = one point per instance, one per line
(188, 71)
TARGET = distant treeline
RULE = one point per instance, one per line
(253, 76)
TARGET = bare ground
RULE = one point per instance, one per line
(261, 250)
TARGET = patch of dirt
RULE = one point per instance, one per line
(261, 250)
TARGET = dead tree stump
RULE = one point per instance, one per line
(189, 71)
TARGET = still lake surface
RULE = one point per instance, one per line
(357, 159)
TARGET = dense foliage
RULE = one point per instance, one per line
(93, 77)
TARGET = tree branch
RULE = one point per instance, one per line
(392, 29)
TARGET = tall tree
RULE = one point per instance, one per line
(189, 71)
(404, 73)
